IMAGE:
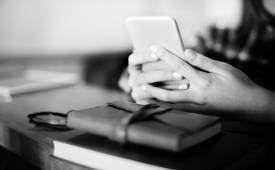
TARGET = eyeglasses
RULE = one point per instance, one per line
(49, 119)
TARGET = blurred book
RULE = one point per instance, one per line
(225, 151)
(21, 80)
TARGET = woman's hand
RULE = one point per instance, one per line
(209, 86)
(146, 68)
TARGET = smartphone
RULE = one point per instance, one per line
(155, 30)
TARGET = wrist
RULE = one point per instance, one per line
(268, 106)
(258, 106)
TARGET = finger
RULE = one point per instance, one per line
(174, 82)
(138, 78)
(175, 85)
(133, 71)
(123, 82)
(158, 65)
(168, 95)
(141, 58)
(157, 76)
(183, 86)
(200, 61)
(176, 63)
(140, 96)
(143, 102)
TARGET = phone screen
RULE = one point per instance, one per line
(155, 30)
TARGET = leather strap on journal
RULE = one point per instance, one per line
(138, 113)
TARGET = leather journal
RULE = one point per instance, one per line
(150, 125)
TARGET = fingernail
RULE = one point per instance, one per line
(157, 50)
(184, 86)
(142, 102)
(177, 76)
(154, 48)
(153, 56)
(143, 87)
(190, 54)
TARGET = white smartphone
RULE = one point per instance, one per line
(155, 30)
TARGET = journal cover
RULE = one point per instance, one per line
(153, 126)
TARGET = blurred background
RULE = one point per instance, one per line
(89, 37)
(78, 35)
(72, 27)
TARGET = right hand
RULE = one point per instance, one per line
(145, 68)
(215, 87)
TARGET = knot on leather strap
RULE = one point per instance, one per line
(136, 113)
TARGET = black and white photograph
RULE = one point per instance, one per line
(137, 84)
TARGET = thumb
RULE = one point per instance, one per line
(202, 62)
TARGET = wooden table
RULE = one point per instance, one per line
(22, 138)
(36, 146)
